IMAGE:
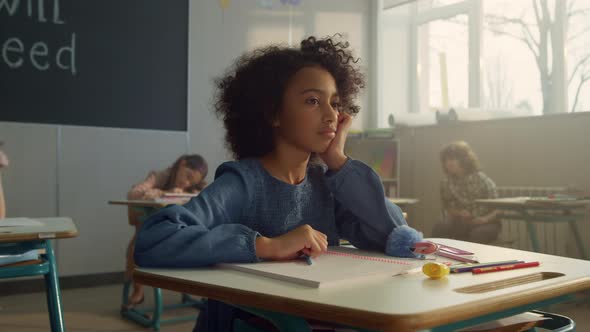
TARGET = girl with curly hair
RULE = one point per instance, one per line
(291, 190)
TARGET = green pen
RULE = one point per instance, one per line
(307, 259)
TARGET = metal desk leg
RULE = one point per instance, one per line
(531, 230)
(579, 242)
(533, 236)
(53, 294)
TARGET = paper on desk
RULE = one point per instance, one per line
(19, 222)
(527, 317)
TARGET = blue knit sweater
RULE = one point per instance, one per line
(244, 201)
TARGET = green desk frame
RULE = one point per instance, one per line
(47, 268)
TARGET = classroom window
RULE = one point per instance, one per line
(485, 58)
(443, 49)
(510, 75)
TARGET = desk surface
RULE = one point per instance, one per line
(402, 201)
(160, 204)
(400, 303)
(530, 202)
(52, 228)
(147, 203)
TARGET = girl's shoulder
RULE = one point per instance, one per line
(484, 178)
(478, 175)
(247, 169)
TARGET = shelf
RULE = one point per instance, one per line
(382, 155)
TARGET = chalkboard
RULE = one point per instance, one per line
(107, 63)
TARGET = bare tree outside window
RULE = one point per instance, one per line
(548, 36)
(498, 88)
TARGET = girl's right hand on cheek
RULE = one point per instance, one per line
(302, 240)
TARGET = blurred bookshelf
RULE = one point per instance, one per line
(380, 150)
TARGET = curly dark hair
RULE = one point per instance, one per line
(462, 152)
(250, 95)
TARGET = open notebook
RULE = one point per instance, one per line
(338, 265)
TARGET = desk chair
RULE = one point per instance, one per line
(556, 323)
(152, 317)
(288, 323)
(46, 267)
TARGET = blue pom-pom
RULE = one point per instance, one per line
(400, 241)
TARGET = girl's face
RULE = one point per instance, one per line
(309, 117)
(453, 167)
(186, 177)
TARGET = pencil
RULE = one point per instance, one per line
(469, 267)
(504, 267)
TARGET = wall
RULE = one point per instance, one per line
(74, 171)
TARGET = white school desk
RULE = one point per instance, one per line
(145, 204)
(402, 202)
(542, 210)
(52, 228)
(25, 238)
(402, 303)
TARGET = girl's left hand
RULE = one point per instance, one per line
(334, 156)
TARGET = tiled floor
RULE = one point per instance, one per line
(97, 310)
